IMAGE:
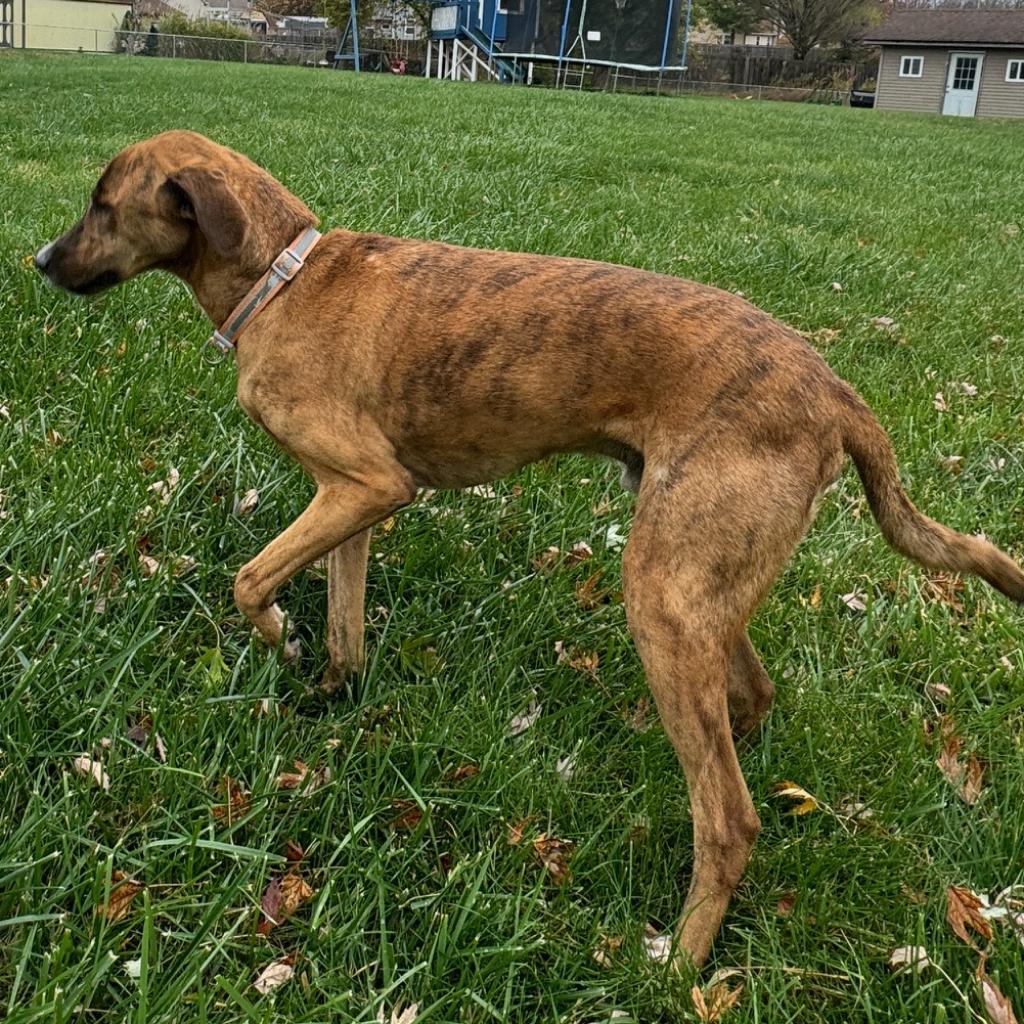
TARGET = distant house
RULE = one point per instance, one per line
(967, 63)
(62, 24)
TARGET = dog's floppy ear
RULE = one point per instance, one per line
(206, 198)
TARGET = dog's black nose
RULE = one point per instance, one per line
(42, 258)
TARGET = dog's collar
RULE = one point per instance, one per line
(288, 263)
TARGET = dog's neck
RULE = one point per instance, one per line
(219, 283)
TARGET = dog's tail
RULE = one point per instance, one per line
(909, 531)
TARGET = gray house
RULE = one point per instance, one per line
(968, 63)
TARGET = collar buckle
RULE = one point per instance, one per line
(219, 341)
(287, 264)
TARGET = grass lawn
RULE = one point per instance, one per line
(417, 894)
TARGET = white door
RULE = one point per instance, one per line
(962, 84)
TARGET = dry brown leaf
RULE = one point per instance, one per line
(805, 802)
(236, 805)
(786, 903)
(247, 502)
(304, 779)
(409, 816)
(547, 559)
(148, 565)
(293, 852)
(998, 1007)
(515, 832)
(275, 974)
(85, 765)
(123, 890)
(579, 552)
(406, 1016)
(657, 945)
(718, 1001)
(636, 716)
(588, 594)
(586, 662)
(963, 914)
(945, 588)
(607, 947)
(463, 772)
(967, 778)
(282, 897)
(554, 854)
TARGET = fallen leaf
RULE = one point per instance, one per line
(293, 852)
(579, 552)
(953, 464)
(275, 974)
(720, 999)
(161, 750)
(962, 914)
(547, 559)
(967, 778)
(482, 491)
(607, 946)
(409, 816)
(133, 968)
(182, 565)
(565, 767)
(968, 389)
(54, 438)
(940, 402)
(236, 805)
(854, 600)
(85, 765)
(148, 565)
(463, 772)
(247, 502)
(406, 1016)
(815, 601)
(614, 538)
(836, 286)
(883, 323)
(636, 717)
(907, 958)
(586, 662)
(786, 903)
(163, 489)
(998, 1008)
(282, 897)
(304, 779)
(657, 945)
(554, 854)
(939, 692)
(515, 832)
(588, 594)
(521, 722)
(805, 803)
(122, 891)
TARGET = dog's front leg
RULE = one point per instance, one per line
(340, 509)
(346, 589)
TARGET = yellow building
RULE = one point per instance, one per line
(62, 24)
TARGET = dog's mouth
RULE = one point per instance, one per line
(100, 283)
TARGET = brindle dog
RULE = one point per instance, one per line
(390, 364)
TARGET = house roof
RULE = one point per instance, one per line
(954, 28)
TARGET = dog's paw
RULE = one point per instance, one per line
(291, 651)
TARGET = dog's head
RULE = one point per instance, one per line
(162, 203)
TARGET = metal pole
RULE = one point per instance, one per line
(355, 32)
(561, 44)
(686, 33)
(430, 51)
(668, 30)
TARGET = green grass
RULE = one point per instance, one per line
(919, 219)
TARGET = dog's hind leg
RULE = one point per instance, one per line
(346, 589)
(750, 690)
(705, 546)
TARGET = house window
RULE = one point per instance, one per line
(1015, 70)
(911, 67)
(726, 39)
(510, 6)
